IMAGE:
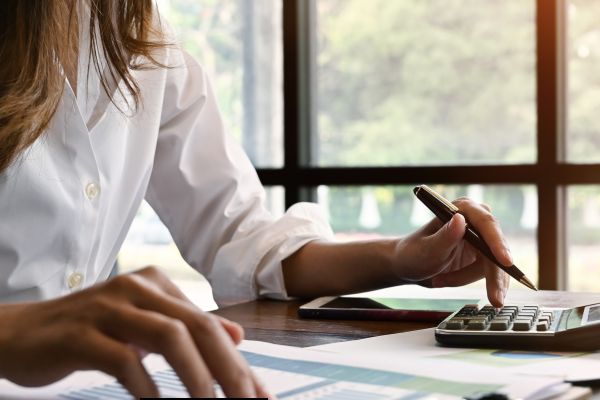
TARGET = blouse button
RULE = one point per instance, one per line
(92, 190)
(74, 280)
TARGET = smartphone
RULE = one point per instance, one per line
(376, 308)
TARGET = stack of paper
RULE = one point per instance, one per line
(421, 345)
(294, 373)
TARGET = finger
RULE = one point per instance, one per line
(97, 351)
(496, 283)
(235, 330)
(157, 278)
(489, 228)
(261, 391)
(442, 243)
(167, 336)
(463, 276)
(225, 363)
(164, 284)
(430, 228)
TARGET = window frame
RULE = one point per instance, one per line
(550, 174)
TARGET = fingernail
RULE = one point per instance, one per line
(459, 217)
(451, 222)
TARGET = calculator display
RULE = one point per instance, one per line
(573, 318)
(593, 314)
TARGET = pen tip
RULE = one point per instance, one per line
(525, 281)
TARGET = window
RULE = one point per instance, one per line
(351, 103)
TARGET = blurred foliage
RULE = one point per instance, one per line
(396, 203)
(212, 32)
(426, 82)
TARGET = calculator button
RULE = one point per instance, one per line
(544, 319)
(527, 312)
(548, 315)
(542, 326)
(507, 315)
(488, 310)
(499, 325)
(453, 324)
(526, 315)
(522, 324)
(469, 309)
(484, 317)
(477, 324)
(465, 320)
(465, 312)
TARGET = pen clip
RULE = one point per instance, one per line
(442, 200)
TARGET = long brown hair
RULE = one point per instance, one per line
(38, 36)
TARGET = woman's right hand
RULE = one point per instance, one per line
(109, 326)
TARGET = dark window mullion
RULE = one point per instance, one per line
(550, 176)
(291, 99)
(550, 141)
(298, 89)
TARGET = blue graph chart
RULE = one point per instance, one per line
(311, 380)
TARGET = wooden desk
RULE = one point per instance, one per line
(278, 321)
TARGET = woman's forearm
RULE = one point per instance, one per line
(435, 256)
(323, 268)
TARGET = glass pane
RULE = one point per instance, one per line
(584, 238)
(583, 135)
(239, 43)
(381, 211)
(429, 82)
(149, 243)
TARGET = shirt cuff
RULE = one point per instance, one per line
(249, 265)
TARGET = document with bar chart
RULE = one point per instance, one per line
(295, 373)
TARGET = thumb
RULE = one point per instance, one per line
(443, 242)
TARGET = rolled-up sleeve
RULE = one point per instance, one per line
(206, 191)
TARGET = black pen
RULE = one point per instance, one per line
(445, 210)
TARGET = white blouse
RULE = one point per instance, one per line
(67, 203)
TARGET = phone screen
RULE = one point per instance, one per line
(449, 305)
(376, 308)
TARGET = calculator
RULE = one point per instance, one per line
(530, 327)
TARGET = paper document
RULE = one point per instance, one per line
(421, 344)
(294, 373)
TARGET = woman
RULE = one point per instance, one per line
(99, 109)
